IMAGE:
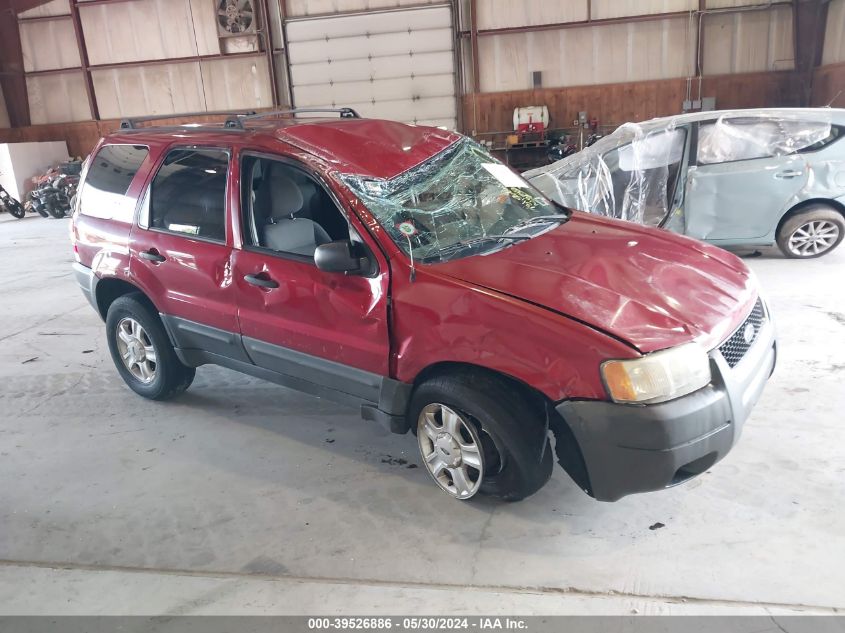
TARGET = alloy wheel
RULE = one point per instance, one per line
(451, 450)
(136, 350)
(813, 238)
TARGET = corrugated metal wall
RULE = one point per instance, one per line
(135, 31)
(735, 42)
(834, 40)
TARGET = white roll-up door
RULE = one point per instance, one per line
(396, 64)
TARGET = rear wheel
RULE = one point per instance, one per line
(141, 350)
(812, 232)
(477, 432)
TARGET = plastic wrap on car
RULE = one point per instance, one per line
(624, 175)
(636, 189)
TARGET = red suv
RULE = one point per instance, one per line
(403, 270)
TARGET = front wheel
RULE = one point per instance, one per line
(479, 433)
(141, 350)
(811, 233)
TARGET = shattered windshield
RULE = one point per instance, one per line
(460, 202)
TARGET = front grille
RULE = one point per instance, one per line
(736, 345)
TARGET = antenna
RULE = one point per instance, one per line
(832, 101)
(413, 276)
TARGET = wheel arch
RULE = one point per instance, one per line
(803, 205)
(569, 454)
(110, 288)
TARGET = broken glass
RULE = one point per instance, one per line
(461, 201)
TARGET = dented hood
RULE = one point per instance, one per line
(650, 288)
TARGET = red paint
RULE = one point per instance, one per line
(546, 311)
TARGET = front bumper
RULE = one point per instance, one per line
(639, 448)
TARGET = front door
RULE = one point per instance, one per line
(182, 254)
(329, 329)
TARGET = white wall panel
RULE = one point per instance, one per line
(165, 89)
(49, 45)
(749, 41)
(4, 114)
(57, 98)
(497, 14)
(149, 29)
(55, 7)
(224, 84)
(586, 55)
(233, 84)
(602, 9)
(298, 8)
(834, 39)
(392, 64)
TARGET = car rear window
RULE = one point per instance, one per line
(111, 172)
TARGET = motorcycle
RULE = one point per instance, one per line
(560, 148)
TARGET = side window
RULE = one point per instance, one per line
(836, 133)
(188, 194)
(111, 172)
(287, 211)
(731, 140)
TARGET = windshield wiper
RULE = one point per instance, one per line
(480, 240)
(556, 217)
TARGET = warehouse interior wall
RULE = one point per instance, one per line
(617, 59)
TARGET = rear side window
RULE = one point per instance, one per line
(111, 172)
(188, 194)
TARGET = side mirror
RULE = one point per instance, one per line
(338, 257)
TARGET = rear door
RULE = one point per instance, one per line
(329, 329)
(181, 251)
(737, 191)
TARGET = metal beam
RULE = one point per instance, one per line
(809, 20)
(12, 76)
(473, 30)
(283, 18)
(148, 62)
(266, 34)
(83, 57)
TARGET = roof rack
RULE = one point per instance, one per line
(132, 123)
(234, 120)
(237, 121)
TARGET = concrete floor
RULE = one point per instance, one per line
(245, 497)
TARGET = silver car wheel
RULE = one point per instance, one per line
(136, 350)
(813, 238)
(451, 450)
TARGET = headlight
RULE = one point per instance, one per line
(657, 377)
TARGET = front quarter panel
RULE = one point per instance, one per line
(439, 319)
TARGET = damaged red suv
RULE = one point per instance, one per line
(403, 270)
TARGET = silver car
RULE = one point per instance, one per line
(732, 177)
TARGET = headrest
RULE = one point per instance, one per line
(285, 195)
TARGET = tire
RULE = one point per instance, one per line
(169, 376)
(801, 236)
(516, 453)
(54, 210)
(15, 208)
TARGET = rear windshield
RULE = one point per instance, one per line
(108, 179)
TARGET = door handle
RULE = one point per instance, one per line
(790, 173)
(152, 255)
(264, 282)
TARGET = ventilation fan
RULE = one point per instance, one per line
(235, 17)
